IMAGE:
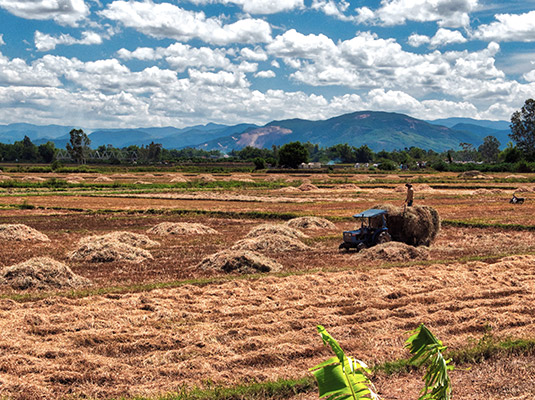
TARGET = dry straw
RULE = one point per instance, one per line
(416, 225)
(109, 252)
(316, 223)
(130, 238)
(394, 252)
(307, 187)
(241, 261)
(270, 242)
(41, 273)
(181, 228)
(21, 232)
(277, 229)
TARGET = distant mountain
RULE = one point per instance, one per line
(451, 122)
(119, 137)
(378, 130)
(482, 132)
(15, 132)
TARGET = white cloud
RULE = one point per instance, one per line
(165, 20)
(2, 39)
(530, 76)
(416, 40)
(259, 6)
(442, 37)
(333, 8)
(254, 55)
(295, 44)
(265, 74)
(448, 13)
(509, 27)
(180, 56)
(16, 72)
(221, 78)
(64, 12)
(45, 42)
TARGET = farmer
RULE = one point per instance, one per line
(410, 196)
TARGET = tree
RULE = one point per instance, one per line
(78, 145)
(28, 150)
(292, 154)
(47, 151)
(490, 149)
(523, 128)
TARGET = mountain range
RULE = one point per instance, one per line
(378, 130)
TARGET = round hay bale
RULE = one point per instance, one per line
(394, 252)
(241, 261)
(270, 242)
(41, 273)
(276, 229)
(181, 228)
(416, 226)
(21, 232)
(310, 223)
(307, 187)
(101, 251)
(130, 238)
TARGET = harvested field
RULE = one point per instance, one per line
(129, 238)
(240, 261)
(270, 242)
(41, 273)
(311, 223)
(21, 232)
(179, 228)
(99, 251)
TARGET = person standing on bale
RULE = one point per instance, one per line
(410, 196)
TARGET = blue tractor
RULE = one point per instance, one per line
(372, 231)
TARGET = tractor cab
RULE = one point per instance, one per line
(372, 230)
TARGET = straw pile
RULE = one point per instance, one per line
(474, 175)
(516, 177)
(393, 252)
(270, 242)
(181, 228)
(483, 192)
(348, 186)
(289, 189)
(276, 229)
(129, 238)
(416, 226)
(307, 187)
(242, 261)
(21, 232)
(310, 223)
(179, 179)
(41, 273)
(100, 251)
(5, 178)
(523, 189)
(103, 179)
(33, 178)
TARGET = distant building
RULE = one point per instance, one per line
(310, 165)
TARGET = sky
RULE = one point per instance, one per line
(140, 63)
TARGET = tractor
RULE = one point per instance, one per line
(372, 231)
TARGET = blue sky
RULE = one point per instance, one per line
(138, 63)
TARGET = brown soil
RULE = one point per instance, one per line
(21, 232)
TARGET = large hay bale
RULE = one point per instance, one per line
(276, 229)
(181, 228)
(310, 223)
(394, 252)
(130, 238)
(416, 225)
(101, 251)
(241, 261)
(270, 242)
(21, 232)
(41, 273)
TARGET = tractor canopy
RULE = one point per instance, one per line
(372, 212)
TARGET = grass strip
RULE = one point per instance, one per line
(466, 224)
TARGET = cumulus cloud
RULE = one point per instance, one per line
(254, 55)
(443, 37)
(259, 6)
(165, 20)
(448, 13)
(180, 56)
(2, 40)
(509, 27)
(45, 42)
(332, 8)
(64, 12)
(265, 74)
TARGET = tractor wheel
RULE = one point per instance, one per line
(361, 246)
(343, 247)
(383, 238)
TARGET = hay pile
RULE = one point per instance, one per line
(275, 229)
(473, 175)
(41, 273)
(523, 189)
(21, 232)
(393, 252)
(483, 192)
(100, 251)
(418, 225)
(348, 186)
(181, 228)
(310, 223)
(516, 177)
(242, 261)
(307, 187)
(5, 178)
(33, 178)
(206, 178)
(289, 189)
(129, 238)
(179, 179)
(103, 179)
(270, 242)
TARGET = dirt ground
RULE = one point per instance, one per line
(228, 329)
